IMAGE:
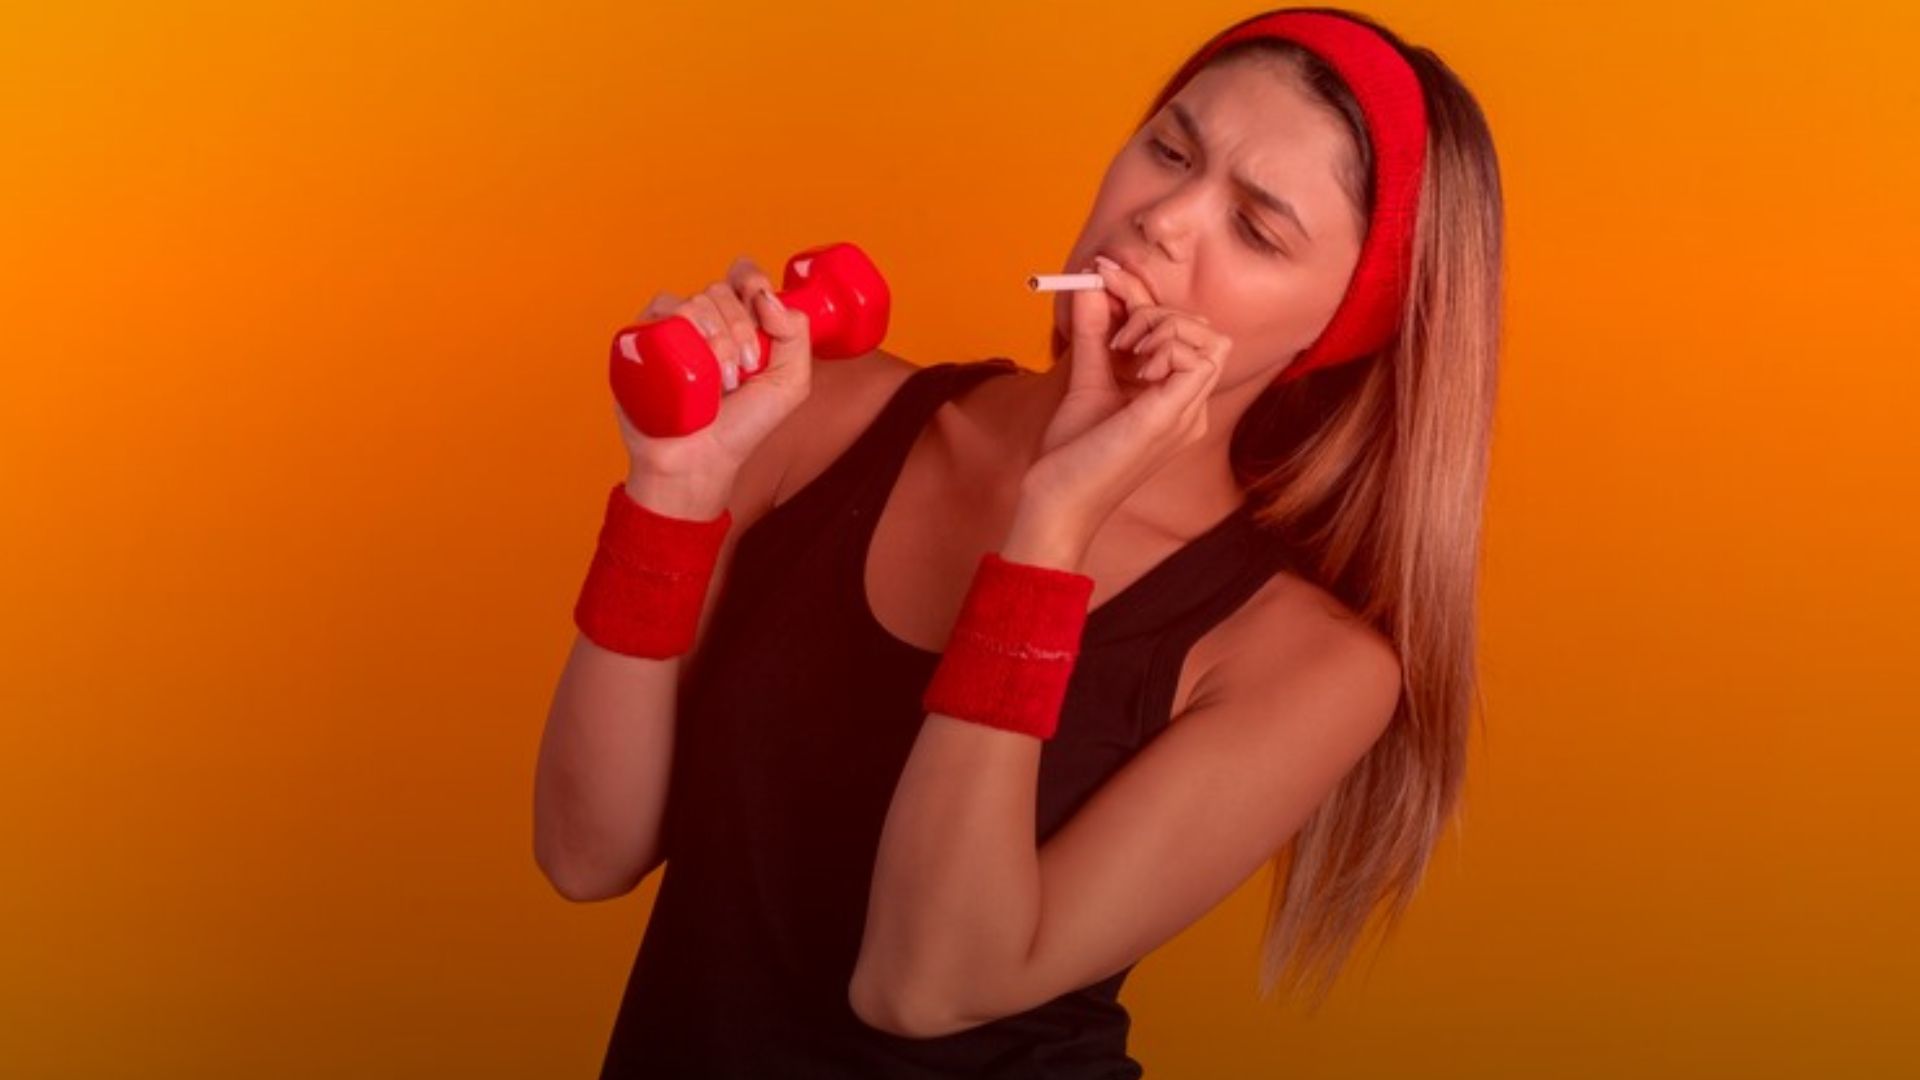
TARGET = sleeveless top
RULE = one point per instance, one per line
(792, 730)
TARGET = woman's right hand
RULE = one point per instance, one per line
(758, 392)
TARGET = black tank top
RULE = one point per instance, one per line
(792, 730)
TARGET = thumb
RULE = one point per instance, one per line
(1091, 313)
(790, 331)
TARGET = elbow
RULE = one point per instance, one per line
(575, 887)
(582, 892)
(584, 884)
(908, 1015)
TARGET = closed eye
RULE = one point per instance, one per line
(1247, 227)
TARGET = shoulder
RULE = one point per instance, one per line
(859, 385)
(842, 401)
(1295, 642)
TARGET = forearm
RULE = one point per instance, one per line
(955, 900)
(600, 788)
(601, 784)
(956, 886)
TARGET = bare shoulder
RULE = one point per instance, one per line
(845, 397)
(1292, 628)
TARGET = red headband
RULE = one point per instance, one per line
(1396, 115)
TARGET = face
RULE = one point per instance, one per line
(1169, 208)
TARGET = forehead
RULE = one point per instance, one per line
(1258, 106)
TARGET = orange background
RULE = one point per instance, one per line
(305, 432)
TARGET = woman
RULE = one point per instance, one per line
(1009, 680)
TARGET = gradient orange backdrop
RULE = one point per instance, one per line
(304, 436)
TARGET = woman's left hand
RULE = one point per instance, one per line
(1106, 439)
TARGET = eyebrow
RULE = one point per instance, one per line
(1259, 194)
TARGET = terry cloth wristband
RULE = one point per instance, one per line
(1013, 647)
(648, 581)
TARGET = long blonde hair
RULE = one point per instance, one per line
(1373, 475)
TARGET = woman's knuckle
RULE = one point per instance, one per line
(720, 292)
(705, 315)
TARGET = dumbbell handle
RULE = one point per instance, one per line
(667, 379)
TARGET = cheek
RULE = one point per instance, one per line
(1261, 323)
(1124, 191)
(1247, 313)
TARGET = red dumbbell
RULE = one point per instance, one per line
(667, 379)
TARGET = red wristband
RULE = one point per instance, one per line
(1013, 647)
(649, 578)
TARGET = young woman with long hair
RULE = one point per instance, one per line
(1012, 676)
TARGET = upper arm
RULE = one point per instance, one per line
(837, 399)
(1198, 810)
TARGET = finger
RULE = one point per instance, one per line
(1190, 372)
(1167, 328)
(1168, 401)
(1158, 365)
(748, 282)
(705, 316)
(747, 278)
(661, 306)
(1137, 320)
(1187, 375)
(1195, 414)
(1142, 319)
(741, 326)
(790, 329)
(1201, 338)
(1210, 356)
(1132, 291)
(1217, 352)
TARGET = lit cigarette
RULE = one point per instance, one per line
(1064, 282)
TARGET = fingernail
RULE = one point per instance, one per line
(728, 378)
(750, 356)
(774, 300)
